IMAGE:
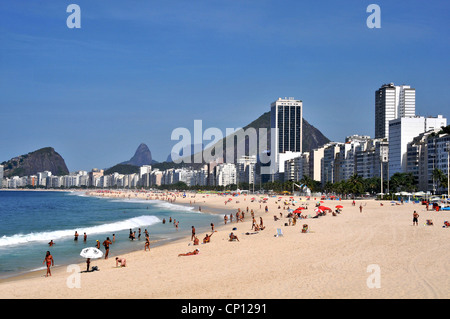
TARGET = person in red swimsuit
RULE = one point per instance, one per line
(50, 262)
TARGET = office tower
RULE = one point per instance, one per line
(286, 117)
(392, 102)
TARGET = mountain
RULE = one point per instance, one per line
(312, 138)
(193, 148)
(142, 156)
(44, 159)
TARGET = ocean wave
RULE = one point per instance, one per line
(134, 222)
(157, 203)
(174, 207)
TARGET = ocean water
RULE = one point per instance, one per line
(30, 219)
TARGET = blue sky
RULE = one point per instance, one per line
(136, 70)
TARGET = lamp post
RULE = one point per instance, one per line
(381, 166)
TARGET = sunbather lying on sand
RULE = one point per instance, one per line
(195, 252)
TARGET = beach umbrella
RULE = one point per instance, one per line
(339, 206)
(91, 252)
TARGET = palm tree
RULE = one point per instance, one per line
(440, 177)
(356, 184)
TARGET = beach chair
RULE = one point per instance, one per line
(279, 232)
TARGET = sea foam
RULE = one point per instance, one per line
(134, 222)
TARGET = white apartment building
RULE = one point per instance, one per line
(225, 174)
(401, 132)
(296, 168)
(345, 163)
(315, 163)
(246, 169)
(328, 162)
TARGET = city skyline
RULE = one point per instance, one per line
(133, 74)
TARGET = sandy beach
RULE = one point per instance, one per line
(376, 253)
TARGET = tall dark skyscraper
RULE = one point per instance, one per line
(286, 117)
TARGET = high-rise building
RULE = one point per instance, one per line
(286, 117)
(392, 102)
(401, 132)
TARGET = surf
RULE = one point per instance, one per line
(20, 239)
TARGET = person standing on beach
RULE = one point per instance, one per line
(360, 208)
(193, 233)
(415, 219)
(106, 244)
(48, 260)
(97, 244)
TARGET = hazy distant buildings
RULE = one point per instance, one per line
(392, 102)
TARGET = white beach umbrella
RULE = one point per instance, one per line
(91, 252)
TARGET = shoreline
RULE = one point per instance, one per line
(331, 261)
(156, 243)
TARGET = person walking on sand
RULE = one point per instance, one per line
(415, 218)
(193, 233)
(360, 208)
(147, 244)
(48, 260)
(106, 244)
